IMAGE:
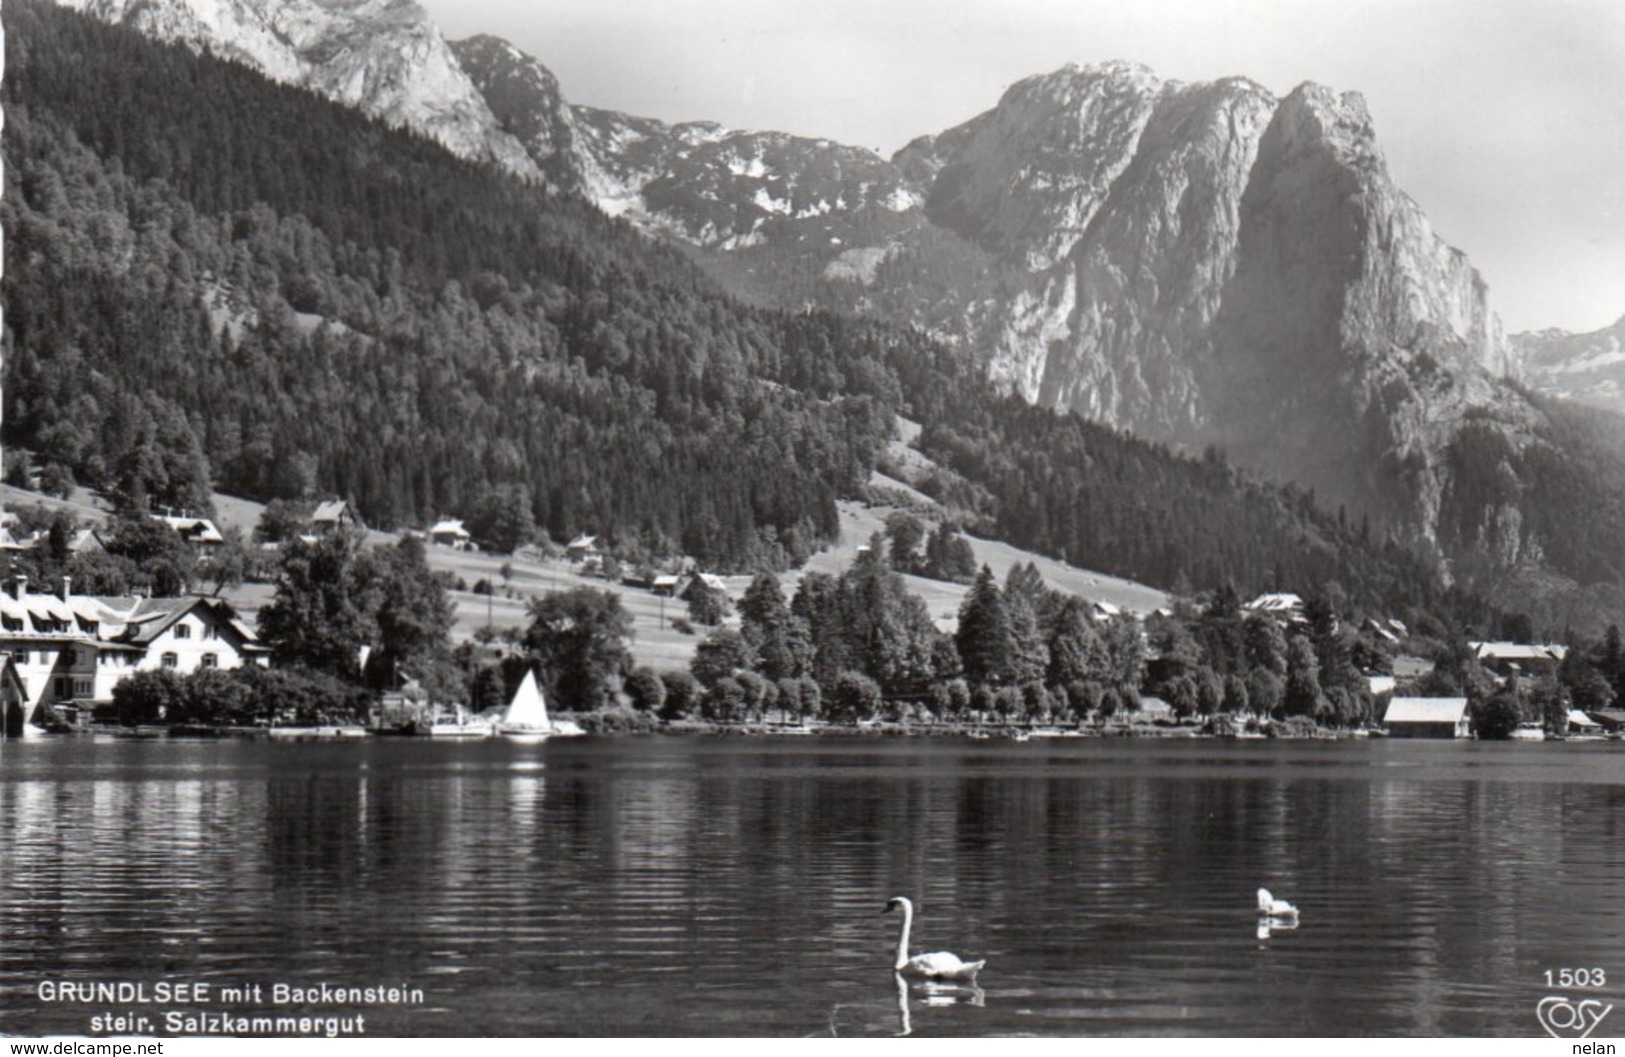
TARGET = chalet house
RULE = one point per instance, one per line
(667, 585)
(69, 651)
(582, 548)
(87, 541)
(181, 634)
(711, 580)
(1519, 659)
(1610, 719)
(200, 532)
(1284, 606)
(332, 515)
(1381, 630)
(449, 532)
(1580, 723)
(1427, 717)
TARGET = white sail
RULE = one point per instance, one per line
(527, 712)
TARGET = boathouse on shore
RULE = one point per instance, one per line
(1427, 717)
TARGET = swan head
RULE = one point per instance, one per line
(897, 903)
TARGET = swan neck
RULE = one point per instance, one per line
(902, 939)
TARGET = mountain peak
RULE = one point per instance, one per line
(385, 57)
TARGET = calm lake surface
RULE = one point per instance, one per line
(732, 886)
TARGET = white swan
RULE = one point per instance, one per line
(1269, 906)
(939, 965)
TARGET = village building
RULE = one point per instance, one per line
(332, 515)
(1610, 719)
(1383, 631)
(200, 532)
(1427, 717)
(1284, 606)
(180, 634)
(67, 651)
(1518, 658)
(583, 548)
(711, 580)
(449, 532)
(1380, 684)
(1580, 723)
(87, 540)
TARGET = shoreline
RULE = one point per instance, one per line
(705, 728)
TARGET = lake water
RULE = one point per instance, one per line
(731, 886)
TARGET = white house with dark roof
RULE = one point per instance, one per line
(200, 532)
(181, 634)
(1284, 606)
(449, 532)
(72, 650)
(583, 547)
(333, 514)
(1519, 658)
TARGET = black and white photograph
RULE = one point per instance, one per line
(723, 519)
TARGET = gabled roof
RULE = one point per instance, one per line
(1518, 651)
(332, 510)
(11, 681)
(195, 529)
(85, 539)
(1425, 710)
(1275, 602)
(151, 617)
(585, 541)
(36, 606)
(448, 527)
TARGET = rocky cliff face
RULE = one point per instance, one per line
(1589, 368)
(1198, 263)
(382, 56)
(1350, 342)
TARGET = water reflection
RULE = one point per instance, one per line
(1269, 926)
(693, 886)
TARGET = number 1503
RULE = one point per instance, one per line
(1576, 978)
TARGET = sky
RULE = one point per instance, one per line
(1504, 119)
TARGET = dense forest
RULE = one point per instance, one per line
(275, 296)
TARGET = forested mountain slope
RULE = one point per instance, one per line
(214, 279)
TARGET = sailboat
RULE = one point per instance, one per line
(526, 717)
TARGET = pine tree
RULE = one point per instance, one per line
(983, 638)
